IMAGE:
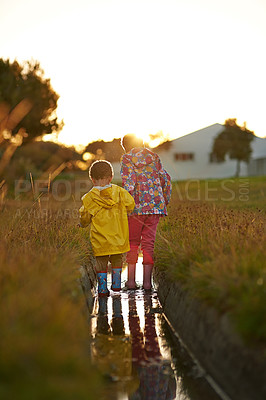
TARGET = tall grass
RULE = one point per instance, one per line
(217, 251)
(44, 336)
(236, 193)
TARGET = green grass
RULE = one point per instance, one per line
(236, 193)
(44, 336)
(217, 250)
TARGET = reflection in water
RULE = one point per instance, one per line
(111, 348)
(155, 374)
(132, 348)
(133, 360)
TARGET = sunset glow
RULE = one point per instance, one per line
(145, 66)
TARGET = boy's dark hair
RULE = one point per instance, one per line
(130, 141)
(101, 169)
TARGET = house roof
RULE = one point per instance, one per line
(214, 128)
(206, 135)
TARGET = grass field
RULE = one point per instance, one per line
(214, 243)
(44, 335)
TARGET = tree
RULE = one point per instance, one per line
(163, 146)
(40, 158)
(28, 100)
(234, 141)
(110, 151)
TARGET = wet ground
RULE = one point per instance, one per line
(136, 351)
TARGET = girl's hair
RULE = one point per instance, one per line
(130, 141)
(101, 169)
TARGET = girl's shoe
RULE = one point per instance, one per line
(127, 287)
(147, 271)
(131, 272)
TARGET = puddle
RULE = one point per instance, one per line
(134, 349)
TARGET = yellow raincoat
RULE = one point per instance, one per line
(106, 210)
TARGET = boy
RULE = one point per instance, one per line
(147, 181)
(105, 207)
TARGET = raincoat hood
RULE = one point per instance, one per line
(139, 157)
(106, 198)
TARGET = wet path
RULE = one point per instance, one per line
(132, 345)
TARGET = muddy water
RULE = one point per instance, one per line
(133, 347)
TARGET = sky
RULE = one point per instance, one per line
(143, 66)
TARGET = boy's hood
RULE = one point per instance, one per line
(106, 198)
(139, 157)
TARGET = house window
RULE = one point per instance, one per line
(184, 156)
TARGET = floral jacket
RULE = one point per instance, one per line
(146, 180)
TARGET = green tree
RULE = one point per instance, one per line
(234, 141)
(28, 99)
(41, 158)
(110, 151)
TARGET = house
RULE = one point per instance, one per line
(190, 157)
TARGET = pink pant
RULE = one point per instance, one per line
(142, 231)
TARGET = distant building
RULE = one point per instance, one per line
(190, 157)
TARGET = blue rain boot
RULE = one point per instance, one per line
(102, 284)
(117, 306)
(116, 279)
(117, 322)
(102, 317)
(103, 305)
